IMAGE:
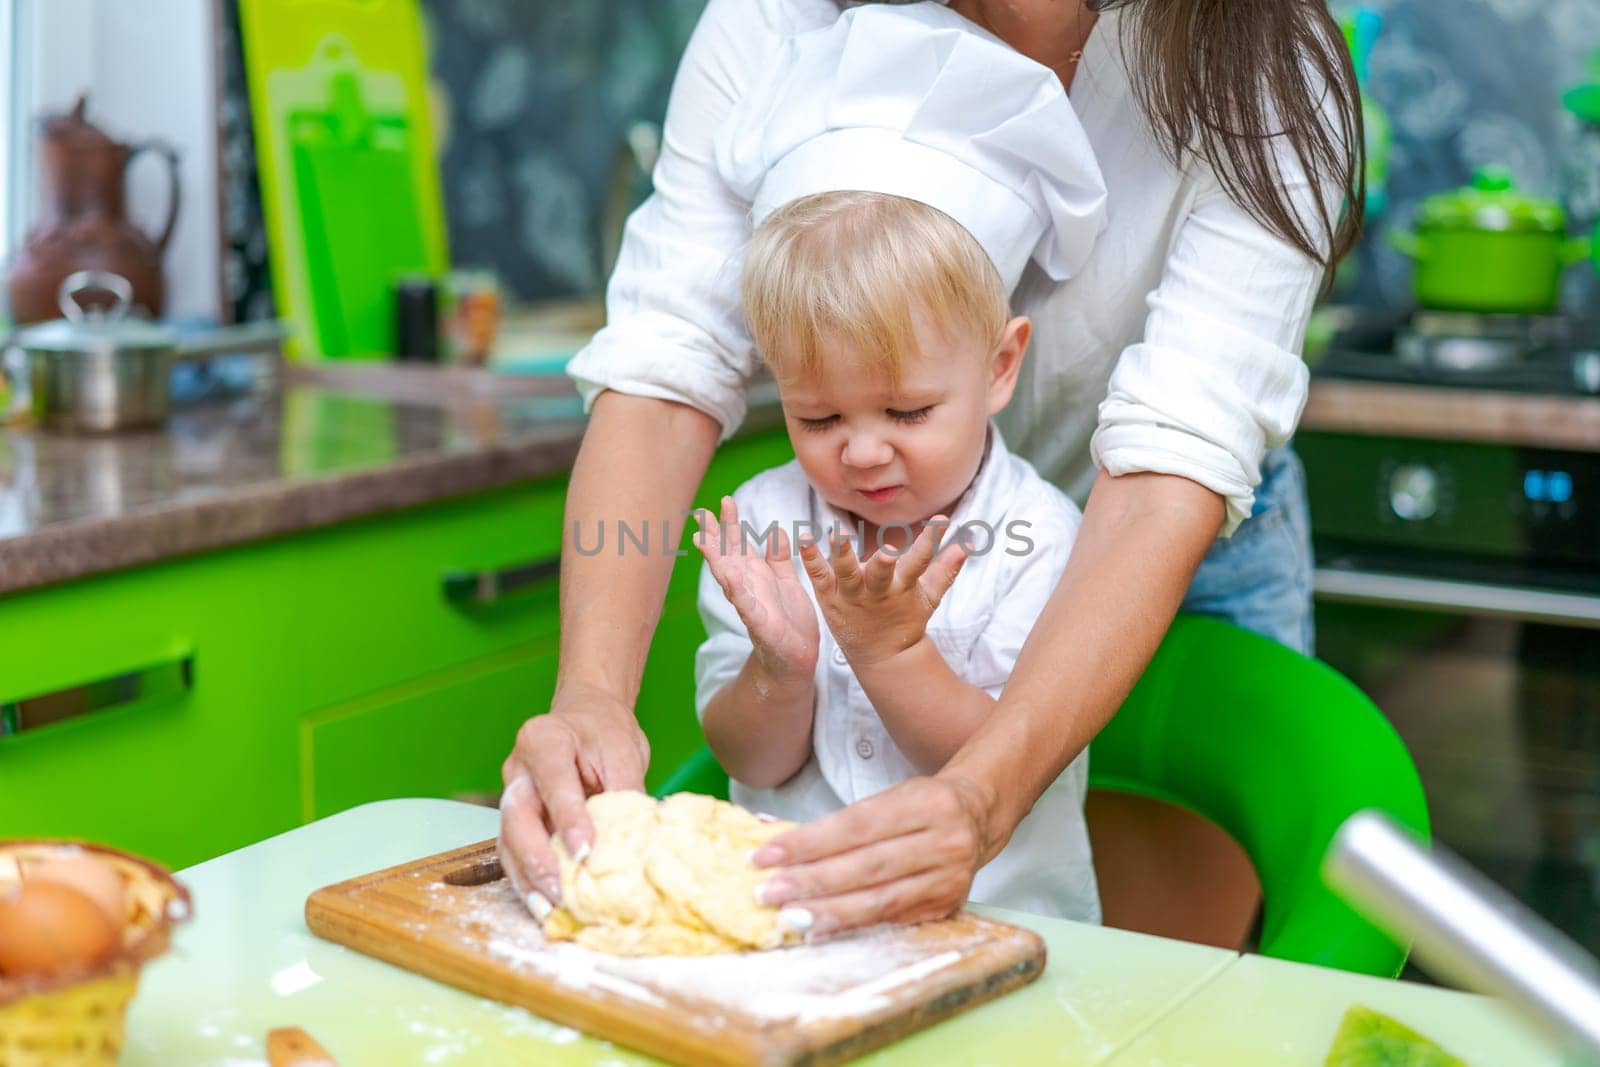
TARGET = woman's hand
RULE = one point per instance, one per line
(881, 608)
(764, 590)
(589, 742)
(905, 855)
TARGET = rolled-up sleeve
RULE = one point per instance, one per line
(1218, 377)
(674, 329)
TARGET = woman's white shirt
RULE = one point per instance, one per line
(1024, 528)
(1174, 350)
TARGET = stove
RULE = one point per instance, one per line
(1511, 353)
(1460, 510)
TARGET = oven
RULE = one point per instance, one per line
(1455, 504)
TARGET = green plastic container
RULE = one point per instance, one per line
(1491, 249)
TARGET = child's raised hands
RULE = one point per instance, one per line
(764, 589)
(880, 608)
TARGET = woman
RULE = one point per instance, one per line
(1163, 385)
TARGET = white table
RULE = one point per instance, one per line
(247, 963)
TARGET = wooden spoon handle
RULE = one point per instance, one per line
(290, 1046)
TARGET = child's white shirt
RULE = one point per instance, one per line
(979, 628)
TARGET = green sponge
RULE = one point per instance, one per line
(1367, 1038)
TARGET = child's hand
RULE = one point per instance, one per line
(764, 590)
(881, 608)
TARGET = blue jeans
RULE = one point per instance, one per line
(1260, 578)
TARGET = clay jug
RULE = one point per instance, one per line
(84, 223)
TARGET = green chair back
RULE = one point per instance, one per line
(1276, 748)
(700, 773)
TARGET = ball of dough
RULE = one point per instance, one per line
(667, 878)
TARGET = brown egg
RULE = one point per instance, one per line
(46, 927)
(92, 877)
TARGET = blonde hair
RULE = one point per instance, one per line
(853, 267)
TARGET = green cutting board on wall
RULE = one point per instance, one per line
(349, 175)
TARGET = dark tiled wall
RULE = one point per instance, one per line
(1472, 82)
(541, 93)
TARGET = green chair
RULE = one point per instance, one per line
(700, 773)
(1278, 750)
(1275, 748)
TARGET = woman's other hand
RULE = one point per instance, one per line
(764, 589)
(906, 855)
(588, 743)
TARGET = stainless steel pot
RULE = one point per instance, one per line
(97, 370)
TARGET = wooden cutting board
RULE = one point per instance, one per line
(453, 917)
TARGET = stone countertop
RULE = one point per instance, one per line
(1525, 420)
(334, 447)
(272, 463)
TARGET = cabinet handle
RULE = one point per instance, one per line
(488, 586)
(162, 679)
(1470, 598)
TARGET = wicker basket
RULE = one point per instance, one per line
(74, 1018)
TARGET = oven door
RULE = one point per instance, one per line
(1458, 584)
(1503, 720)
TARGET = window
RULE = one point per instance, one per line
(146, 70)
(16, 72)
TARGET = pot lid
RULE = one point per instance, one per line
(1491, 202)
(94, 335)
(91, 329)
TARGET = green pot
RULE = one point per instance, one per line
(1490, 249)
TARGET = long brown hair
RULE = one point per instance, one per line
(1233, 80)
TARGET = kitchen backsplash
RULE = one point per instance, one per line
(539, 98)
(1467, 83)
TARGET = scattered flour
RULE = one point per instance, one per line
(849, 976)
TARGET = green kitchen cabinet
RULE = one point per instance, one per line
(434, 636)
(442, 736)
(186, 708)
(180, 688)
(401, 595)
(447, 733)
(144, 708)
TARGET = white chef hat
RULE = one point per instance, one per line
(915, 101)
